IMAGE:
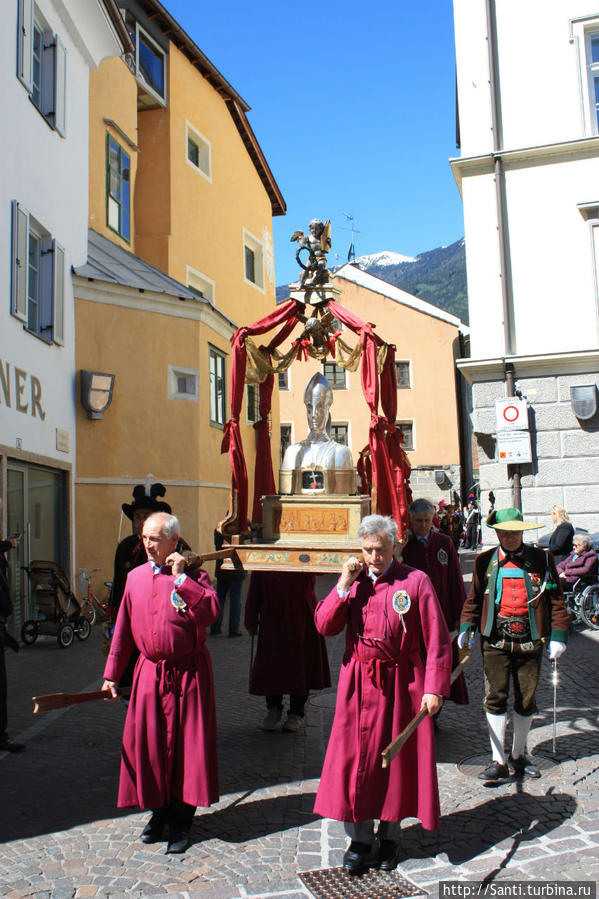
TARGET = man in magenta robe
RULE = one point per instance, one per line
(397, 661)
(435, 554)
(169, 759)
(291, 656)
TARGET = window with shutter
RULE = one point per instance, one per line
(41, 65)
(37, 279)
(24, 41)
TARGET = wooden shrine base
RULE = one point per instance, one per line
(276, 556)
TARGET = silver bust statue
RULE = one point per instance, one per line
(317, 450)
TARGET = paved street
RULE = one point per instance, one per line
(63, 837)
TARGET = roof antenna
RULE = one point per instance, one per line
(351, 253)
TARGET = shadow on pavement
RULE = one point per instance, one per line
(466, 834)
(243, 820)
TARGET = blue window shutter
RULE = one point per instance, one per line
(25, 41)
(46, 285)
(58, 294)
(19, 261)
(60, 86)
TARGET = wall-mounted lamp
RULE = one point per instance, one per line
(584, 401)
(96, 392)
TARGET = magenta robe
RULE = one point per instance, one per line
(440, 561)
(382, 680)
(169, 738)
(291, 656)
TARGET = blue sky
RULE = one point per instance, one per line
(354, 107)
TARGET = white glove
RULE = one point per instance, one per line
(556, 649)
(462, 639)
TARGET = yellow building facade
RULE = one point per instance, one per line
(181, 206)
(426, 340)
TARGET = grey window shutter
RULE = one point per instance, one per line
(19, 261)
(58, 294)
(48, 87)
(46, 288)
(60, 86)
(25, 41)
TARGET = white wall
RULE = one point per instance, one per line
(48, 175)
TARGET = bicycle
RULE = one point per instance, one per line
(91, 606)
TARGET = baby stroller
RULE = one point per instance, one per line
(58, 610)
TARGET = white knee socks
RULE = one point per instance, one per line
(497, 724)
(521, 728)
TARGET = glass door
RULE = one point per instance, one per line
(35, 509)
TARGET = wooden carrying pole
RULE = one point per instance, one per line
(51, 701)
(396, 745)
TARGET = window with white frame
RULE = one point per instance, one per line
(335, 375)
(118, 188)
(37, 282)
(183, 383)
(285, 438)
(253, 260)
(41, 64)
(217, 386)
(403, 374)
(253, 403)
(148, 66)
(406, 428)
(200, 284)
(340, 432)
(199, 151)
(284, 380)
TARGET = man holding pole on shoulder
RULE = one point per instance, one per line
(397, 662)
(169, 760)
(516, 603)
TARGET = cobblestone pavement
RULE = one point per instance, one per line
(63, 837)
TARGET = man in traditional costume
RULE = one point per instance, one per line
(169, 760)
(292, 656)
(435, 554)
(516, 603)
(397, 661)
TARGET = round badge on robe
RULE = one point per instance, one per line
(401, 602)
(178, 602)
(442, 557)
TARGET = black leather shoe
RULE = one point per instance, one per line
(153, 829)
(9, 746)
(523, 766)
(358, 857)
(178, 841)
(495, 771)
(388, 855)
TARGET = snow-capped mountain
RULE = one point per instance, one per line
(438, 276)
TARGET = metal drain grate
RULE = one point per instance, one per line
(335, 883)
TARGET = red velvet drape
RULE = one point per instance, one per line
(390, 470)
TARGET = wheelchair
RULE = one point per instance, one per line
(582, 602)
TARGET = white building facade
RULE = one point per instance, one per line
(48, 48)
(528, 99)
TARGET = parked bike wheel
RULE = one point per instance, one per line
(589, 607)
(83, 628)
(89, 610)
(29, 632)
(66, 635)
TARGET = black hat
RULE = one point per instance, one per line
(141, 500)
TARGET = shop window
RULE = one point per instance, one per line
(118, 188)
(199, 151)
(403, 374)
(41, 64)
(37, 283)
(335, 375)
(217, 387)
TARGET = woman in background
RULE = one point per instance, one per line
(561, 540)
